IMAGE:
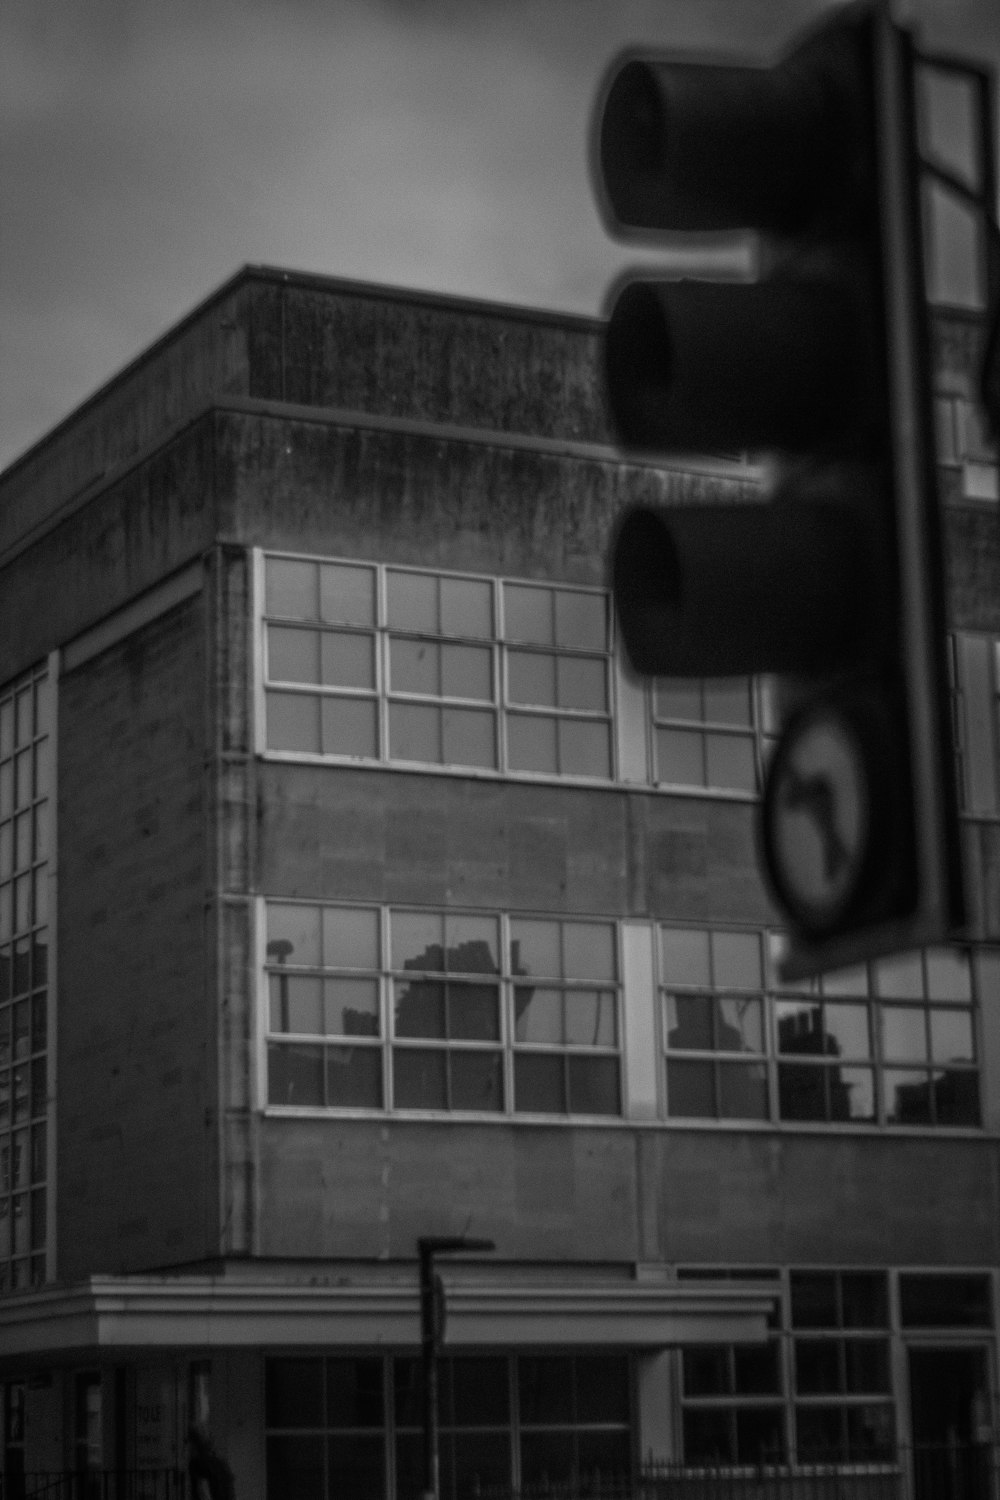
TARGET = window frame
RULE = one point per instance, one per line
(388, 1041)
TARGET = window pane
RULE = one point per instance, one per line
(820, 1432)
(679, 757)
(351, 1007)
(354, 1077)
(295, 1467)
(535, 948)
(691, 1089)
(689, 1022)
(727, 701)
(476, 1080)
(531, 743)
(469, 738)
(817, 1367)
(759, 1434)
(347, 660)
(414, 733)
(292, 655)
(293, 722)
(944, 1300)
(951, 1036)
(581, 620)
(678, 698)
(538, 1015)
(293, 1392)
(742, 1091)
(412, 601)
(707, 1370)
(590, 1019)
(295, 1074)
(347, 595)
(900, 978)
(467, 672)
(584, 748)
(350, 726)
(866, 1366)
(467, 607)
(709, 1436)
(685, 956)
(847, 1025)
(870, 1431)
(296, 1003)
(481, 1392)
(956, 1098)
(356, 1466)
(589, 950)
(846, 981)
(474, 1012)
(814, 1299)
(730, 762)
(736, 960)
(418, 940)
(531, 678)
(414, 666)
(948, 974)
(904, 1033)
(539, 1083)
(420, 1008)
(800, 1027)
(293, 933)
(864, 1299)
(545, 1388)
(852, 1094)
(757, 1368)
(350, 938)
(419, 1080)
(478, 1462)
(290, 589)
(528, 614)
(473, 945)
(802, 1092)
(602, 1389)
(740, 1024)
(547, 1458)
(582, 682)
(907, 1097)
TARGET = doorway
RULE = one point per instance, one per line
(950, 1421)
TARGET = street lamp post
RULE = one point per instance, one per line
(432, 1315)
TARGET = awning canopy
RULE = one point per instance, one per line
(116, 1314)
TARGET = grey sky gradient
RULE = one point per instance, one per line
(150, 147)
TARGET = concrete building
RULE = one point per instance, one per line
(351, 892)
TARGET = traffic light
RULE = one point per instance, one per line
(833, 579)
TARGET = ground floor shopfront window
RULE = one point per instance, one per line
(348, 1425)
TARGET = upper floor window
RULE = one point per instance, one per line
(893, 1042)
(24, 854)
(711, 732)
(962, 444)
(396, 664)
(404, 1009)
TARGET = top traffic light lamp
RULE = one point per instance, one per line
(834, 579)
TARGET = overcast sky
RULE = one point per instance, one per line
(148, 148)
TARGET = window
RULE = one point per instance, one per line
(732, 1395)
(819, 1390)
(24, 808)
(375, 663)
(340, 1425)
(975, 663)
(710, 732)
(414, 1009)
(566, 1018)
(891, 1043)
(840, 1347)
(962, 445)
(945, 1299)
(714, 1023)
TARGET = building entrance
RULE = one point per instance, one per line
(950, 1415)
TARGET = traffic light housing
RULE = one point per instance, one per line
(833, 580)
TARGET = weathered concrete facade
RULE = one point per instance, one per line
(292, 415)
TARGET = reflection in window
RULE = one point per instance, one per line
(393, 664)
(712, 983)
(453, 1017)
